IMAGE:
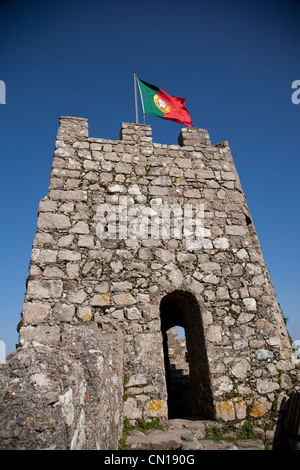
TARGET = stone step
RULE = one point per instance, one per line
(183, 434)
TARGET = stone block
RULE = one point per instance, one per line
(123, 299)
(46, 205)
(44, 334)
(137, 379)
(65, 241)
(44, 289)
(157, 191)
(222, 385)
(63, 195)
(50, 221)
(250, 445)
(165, 255)
(123, 168)
(84, 314)
(192, 193)
(130, 409)
(221, 243)
(263, 354)
(240, 409)
(225, 410)
(43, 256)
(266, 386)
(156, 409)
(64, 152)
(241, 369)
(69, 255)
(236, 230)
(35, 312)
(80, 227)
(100, 300)
(250, 304)
(86, 241)
(115, 188)
(72, 270)
(214, 333)
(197, 428)
(133, 314)
(86, 154)
(242, 254)
(260, 407)
(63, 312)
(77, 297)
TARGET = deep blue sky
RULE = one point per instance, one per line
(234, 61)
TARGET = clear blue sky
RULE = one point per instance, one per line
(234, 61)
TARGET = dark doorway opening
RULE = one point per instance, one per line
(187, 378)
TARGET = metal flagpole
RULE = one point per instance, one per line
(135, 99)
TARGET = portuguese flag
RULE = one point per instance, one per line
(158, 103)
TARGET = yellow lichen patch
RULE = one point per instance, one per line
(225, 410)
(157, 408)
(286, 352)
(86, 317)
(105, 298)
(240, 408)
(260, 408)
(177, 182)
(260, 323)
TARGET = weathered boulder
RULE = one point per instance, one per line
(66, 397)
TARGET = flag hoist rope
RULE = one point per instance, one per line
(135, 99)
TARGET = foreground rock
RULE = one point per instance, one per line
(63, 398)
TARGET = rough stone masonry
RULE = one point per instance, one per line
(115, 264)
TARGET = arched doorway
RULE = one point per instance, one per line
(194, 396)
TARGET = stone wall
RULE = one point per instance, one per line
(64, 397)
(217, 286)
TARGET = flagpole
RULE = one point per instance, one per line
(141, 100)
(135, 99)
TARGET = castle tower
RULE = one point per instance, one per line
(137, 238)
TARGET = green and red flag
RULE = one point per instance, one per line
(157, 102)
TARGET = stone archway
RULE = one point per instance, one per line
(181, 308)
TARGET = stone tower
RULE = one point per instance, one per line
(135, 238)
